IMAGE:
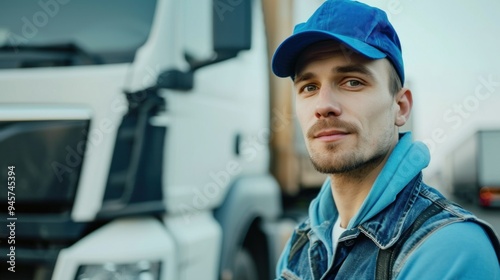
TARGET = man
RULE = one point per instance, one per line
(374, 217)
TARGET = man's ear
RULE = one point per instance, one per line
(404, 100)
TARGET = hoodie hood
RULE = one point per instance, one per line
(406, 160)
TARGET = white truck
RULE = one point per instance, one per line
(134, 141)
(475, 168)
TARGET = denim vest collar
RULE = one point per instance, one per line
(386, 228)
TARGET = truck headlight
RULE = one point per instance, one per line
(142, 270)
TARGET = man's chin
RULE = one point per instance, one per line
(343, 164)
(329, 168)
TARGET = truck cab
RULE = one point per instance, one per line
(473, 168)
(138, 134)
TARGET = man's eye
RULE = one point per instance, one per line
(309, 88)
(353, 83)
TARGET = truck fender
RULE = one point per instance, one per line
(249, 198)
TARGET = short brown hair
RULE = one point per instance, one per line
(395, 84)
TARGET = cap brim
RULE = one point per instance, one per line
(285, 57)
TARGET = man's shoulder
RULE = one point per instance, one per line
(465, 232)
(457, 249)
(450, 238)
(466, 236)
(432, 195)
(450, 216)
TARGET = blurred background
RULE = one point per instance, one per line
(150, 140)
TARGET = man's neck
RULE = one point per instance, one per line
(350, 189)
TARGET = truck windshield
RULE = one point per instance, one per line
(72, 32)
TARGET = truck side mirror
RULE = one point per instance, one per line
(214, 31)
(231, 31)
(232, 25)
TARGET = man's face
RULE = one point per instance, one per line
(345, 108)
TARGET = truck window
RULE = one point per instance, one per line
(72, 32)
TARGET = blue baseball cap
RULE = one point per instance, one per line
(362, 28)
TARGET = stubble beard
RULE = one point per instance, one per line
(341, 157)
(336, 161)
(350, 160)
(332, 159)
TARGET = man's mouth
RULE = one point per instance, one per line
(330, 130)
(330, 135)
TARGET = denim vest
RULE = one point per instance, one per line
(357, 248)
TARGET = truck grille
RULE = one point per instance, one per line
(47, 156)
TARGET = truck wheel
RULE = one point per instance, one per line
(244, 266)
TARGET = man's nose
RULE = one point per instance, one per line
(327, 103)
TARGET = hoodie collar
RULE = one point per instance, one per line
(405, 162)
